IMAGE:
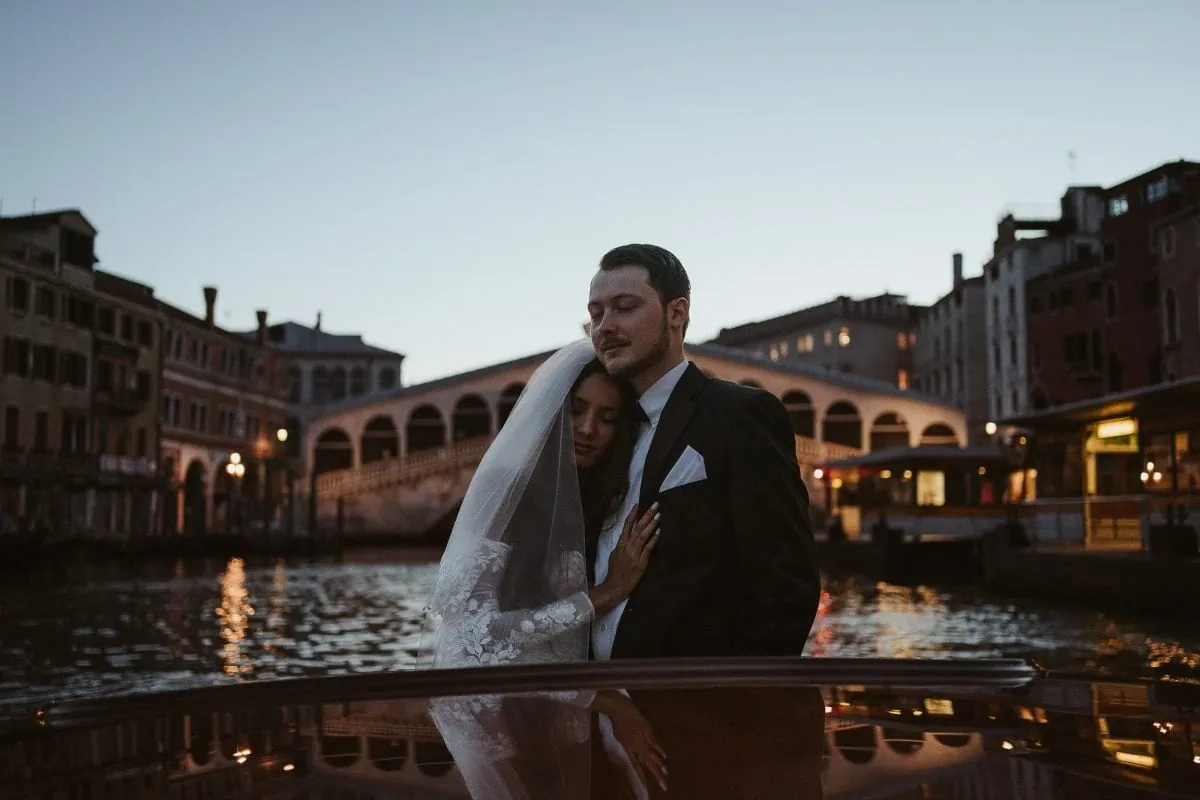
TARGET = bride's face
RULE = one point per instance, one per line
(595, 408)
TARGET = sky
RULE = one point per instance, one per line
(443, 177)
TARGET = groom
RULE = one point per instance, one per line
(735, 570)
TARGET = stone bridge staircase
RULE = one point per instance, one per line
(411, 494)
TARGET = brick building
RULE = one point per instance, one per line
(872, 337)
(224, 401)
(1178, 242)
(1095, 322)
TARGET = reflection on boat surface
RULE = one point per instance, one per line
(766, 728)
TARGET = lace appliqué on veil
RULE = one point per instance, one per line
(477, 633)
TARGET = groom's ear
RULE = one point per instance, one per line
(678, 313)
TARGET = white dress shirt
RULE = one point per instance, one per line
(652, 401)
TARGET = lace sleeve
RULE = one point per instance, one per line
(480, 634)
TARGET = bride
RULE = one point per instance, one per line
(513, 586)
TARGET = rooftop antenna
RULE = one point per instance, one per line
(1071, 163)
(33, 206)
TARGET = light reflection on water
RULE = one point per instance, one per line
(110, 629)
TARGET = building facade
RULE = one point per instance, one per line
(223, 405)
(872, 337)
(81, 372)
(328, 369)
(1024, 251)
(1178, 242)
(127, 359)
(1096, 319)
(950, 356)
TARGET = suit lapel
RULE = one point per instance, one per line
(671, 424)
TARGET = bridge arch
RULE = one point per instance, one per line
(800, 410)
(334, 450)
(938, 434)
(889, 430)
(340, 752)
(508, 399)
(389, 755)
(903, 742)
(857, 745)
(380, 440)
(750, 382)
(426, 430)
(842, 425)
(433, 758)
(472, 418)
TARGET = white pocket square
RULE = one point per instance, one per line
(688, 469)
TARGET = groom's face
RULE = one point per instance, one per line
(628, 323)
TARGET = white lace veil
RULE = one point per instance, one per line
(511, 588)
(524, 500)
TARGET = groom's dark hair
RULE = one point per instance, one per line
(667, 275)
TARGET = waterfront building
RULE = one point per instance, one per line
(871, 337)
(80, 374)
(950, 356)
(224, 405)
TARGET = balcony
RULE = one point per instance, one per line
(123, 402)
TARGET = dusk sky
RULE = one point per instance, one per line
(443, 177)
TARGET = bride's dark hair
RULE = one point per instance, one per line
(602, 486)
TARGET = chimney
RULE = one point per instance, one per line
(262, 325)
(318, 322)
(210, 303)
(958, 276)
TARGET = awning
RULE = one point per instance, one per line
(932, 456)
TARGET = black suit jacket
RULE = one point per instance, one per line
(735, 569)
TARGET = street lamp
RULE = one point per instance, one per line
(990, 429)
(281, 435)
(236, 469)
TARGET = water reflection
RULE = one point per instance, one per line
(1051, 739)
(94, 630)
(234, 614)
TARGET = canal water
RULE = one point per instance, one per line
(102, 629)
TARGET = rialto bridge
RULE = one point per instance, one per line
(400, 465)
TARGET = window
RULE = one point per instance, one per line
(143, 385)
(145, 334)
(783, 351)
(73, 434)
(46, 303)
(804, 344)
(901, 341)
(140, 447)
(1110, 252)
(828, 338)
(16, 294)
(996, 312)
(844, 337)
(1094, 290)
(18, 356)
(1157, 190)
(1035, 305)
(1170, 317)
(127, 328)
(106, 321)
(80, 312)
(775, 353)
(902, 379)
(12, 428)
(1118, 205)
(41, 432)
(1110, 301)
(193, 415)
(1097, 351)
(996, 358)
(73, 369)
(45, 363)
(1012, 349)
(1166, 242)
(1012, 300)
(387, 377)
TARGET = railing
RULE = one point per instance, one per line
(1089, 521)
(817, 452)
(408, 467)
